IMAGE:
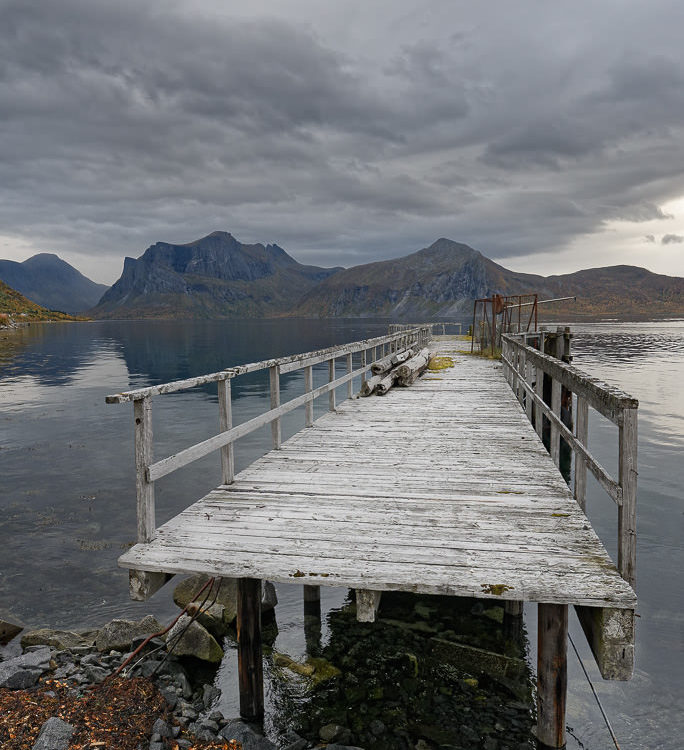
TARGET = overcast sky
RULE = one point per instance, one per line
(547, 135)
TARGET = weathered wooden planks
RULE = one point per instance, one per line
(441, 488)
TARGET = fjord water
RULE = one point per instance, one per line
(67, 494)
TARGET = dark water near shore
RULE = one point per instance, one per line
(67, 496)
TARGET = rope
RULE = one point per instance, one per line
(593, 690)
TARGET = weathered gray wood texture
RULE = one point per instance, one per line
(443, 487)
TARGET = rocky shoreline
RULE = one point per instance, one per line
(433, 674)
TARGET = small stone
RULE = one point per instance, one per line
(156, 746)
(23, 671)
(216, 716)
(210, 725)
(377, 727)
(183, 744)
(238, 730)
(210, 695)
(299, 744)
(95, 675)
(170, 696)
(161, 728)
(55, 734)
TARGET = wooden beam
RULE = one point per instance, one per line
(627, 511)
(274, 380)
(610, 634)
(331, 379)
(367, 604)
(226, 423)
(308, 387)
(142, 584)
(250, 666)
(552, 674)
(144, 486)
(582, 434)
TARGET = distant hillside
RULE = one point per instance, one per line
(15, 306)
(443, 280)
(52, 282)
(440, 280)
(213, 277)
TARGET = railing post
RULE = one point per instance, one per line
(582, 434)
(331, 377)
(529, 377)
(538, 414)
(350, 385)
(308, 387)
(628, 482)
(142, 414)
(274, 376)
(556, 409)
(225, 423)
(363, 364)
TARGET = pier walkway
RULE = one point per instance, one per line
(444, 487)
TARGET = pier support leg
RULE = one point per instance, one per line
(250, 666)
(367, 605)
(513, 620)
(552, 674)
(312, 620)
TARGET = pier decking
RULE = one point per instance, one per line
(440, 488)
(445, 487)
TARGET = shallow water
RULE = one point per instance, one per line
(67, 495)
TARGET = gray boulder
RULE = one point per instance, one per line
(59, 639)
(190, 587)
(243, 733)
(187, 638)
(23, 671)
(8, 630)
(118, 635)
(55, 734)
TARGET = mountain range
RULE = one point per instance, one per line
(219, 277)
(14, 307)
(213, 277)
(51, 282)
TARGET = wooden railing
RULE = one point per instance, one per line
(148, 470)
(525, 367)
(434, 327)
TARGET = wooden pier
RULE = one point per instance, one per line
(441, 488)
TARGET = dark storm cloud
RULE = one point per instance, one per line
(517, 131)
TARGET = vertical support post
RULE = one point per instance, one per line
(627, 511)
(350, 386)
(308, 387)
(552, 673)
(225, 423)
(250, 667)
(331, 377)
(529, 378)
(582, 434)
(522, 364)
(556, 409)
(142, 415)
(363, 365)
(493, 327)
(312, 620)
(274, 375)
(538, 414)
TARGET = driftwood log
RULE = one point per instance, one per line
(407, 372)
(386, 383)
(368, 386)
(391, 360)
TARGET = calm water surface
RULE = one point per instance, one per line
(67, 495)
